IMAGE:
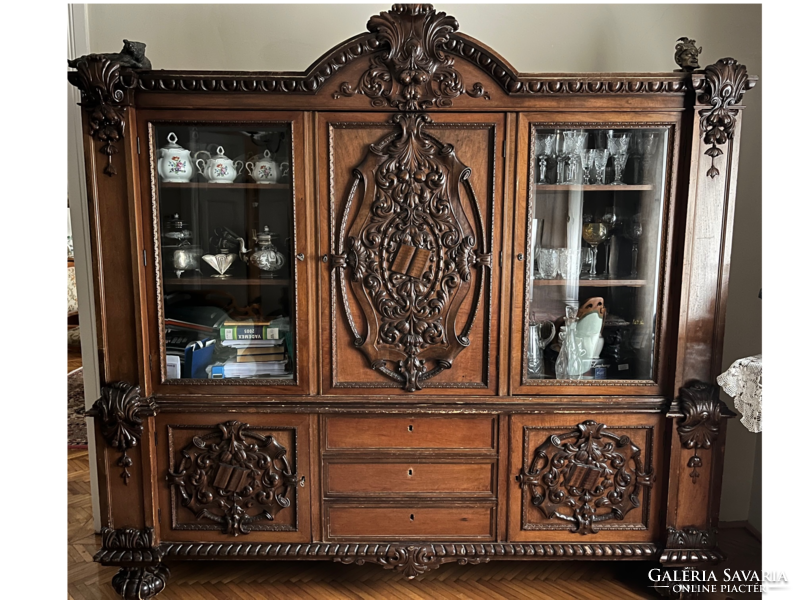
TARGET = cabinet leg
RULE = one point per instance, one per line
(135, 583)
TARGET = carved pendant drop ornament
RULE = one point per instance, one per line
(409, 254)
(586, 476)
(234, 477)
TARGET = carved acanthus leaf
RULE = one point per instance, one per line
(411, 70)
(104, 84)
(721, 87)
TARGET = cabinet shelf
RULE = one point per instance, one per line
(593, 282)
(227, 186)
(216, 281)
(550, 187)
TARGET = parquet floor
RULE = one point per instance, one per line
(498, 580)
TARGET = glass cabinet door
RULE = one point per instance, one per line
(595, 244)
(224, 228)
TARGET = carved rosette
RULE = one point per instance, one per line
(411, 250)
(104, 84)
(119, 411)
(586, 476)
(702, 413)
(412, 561)
(411, 70)
(234, 477)
(722, 86)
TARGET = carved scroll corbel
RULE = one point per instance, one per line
(104, 84)
(702, 412)
(721, 86)
(119, 410)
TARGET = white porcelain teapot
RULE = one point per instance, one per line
(219, 168)
(266, 169)
(174, 162)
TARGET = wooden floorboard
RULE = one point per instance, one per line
(323, 580)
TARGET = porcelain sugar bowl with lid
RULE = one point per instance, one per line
(174, 162)
(218, 168)
(265, 169)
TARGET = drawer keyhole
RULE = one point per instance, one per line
(411, 428)
(410, 472)
(412, 516)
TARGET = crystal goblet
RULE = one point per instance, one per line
(543, 149)
(587, 158)
(600, 162)
(564, 144)
(594, 234)
(633, 231)
(648, 150)
(578, 142)
(610, 220)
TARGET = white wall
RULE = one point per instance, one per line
(533, 38)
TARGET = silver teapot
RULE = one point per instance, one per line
(266, 256)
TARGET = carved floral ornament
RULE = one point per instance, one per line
(702, 413)
(722, 86)
(411, 251)
(234, 478)
(586, 476)
(412, 71)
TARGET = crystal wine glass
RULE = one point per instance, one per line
(543, 149)
(587, 158)
(600, 162)
(594, 234)
(578, 142)
(564, 144)
(618, 147)
(610, 219)
(633, 231)
(648, 150)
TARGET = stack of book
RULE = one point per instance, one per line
(260, 350)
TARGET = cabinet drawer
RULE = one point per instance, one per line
(403, 432)
(409, 477)
(411, 522)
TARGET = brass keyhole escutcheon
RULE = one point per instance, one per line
(411, 428)
(410, 472)
(412, 516)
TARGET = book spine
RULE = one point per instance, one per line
(242, 332)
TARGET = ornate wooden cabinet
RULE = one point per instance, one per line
(484, 306)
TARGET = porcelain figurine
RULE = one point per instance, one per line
(219, 168)
(266, 169)
(175, 162)
(589, 327)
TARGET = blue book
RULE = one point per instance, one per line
(198, 355)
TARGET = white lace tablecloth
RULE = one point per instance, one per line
(742, 382)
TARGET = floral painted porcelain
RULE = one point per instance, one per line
(174, 163)
(266, 169)
(219, 168)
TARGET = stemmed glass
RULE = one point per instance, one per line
(564, 144)
(648, 150)
(633, 231)
(600, 162)
(578, 142)
(587, 158)
(594, 234)
(618, 147)
(610, 220)
(543, 149)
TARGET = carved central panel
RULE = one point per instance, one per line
(234, 477)
(411, 249)
(586, 476)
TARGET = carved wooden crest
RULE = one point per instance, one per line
(586, 476)
(722, 87)
(412, 72)
(234, 477)
(411, 250)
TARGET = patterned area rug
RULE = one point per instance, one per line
(75, 411)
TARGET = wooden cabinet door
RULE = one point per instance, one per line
(233, 477)
(410, 230)
(585, 478)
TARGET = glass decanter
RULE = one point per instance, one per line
(266, 256)
(569, 364)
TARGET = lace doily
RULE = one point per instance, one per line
(742, 382)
